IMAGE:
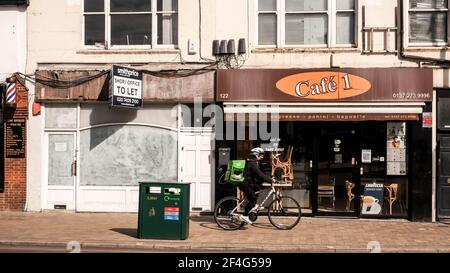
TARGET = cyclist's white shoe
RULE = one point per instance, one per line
(245, 219)
(255, 208)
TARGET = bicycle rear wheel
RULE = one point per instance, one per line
(284, 212)
(227, 213)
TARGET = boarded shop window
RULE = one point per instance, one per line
(141, 23)
(428, 21)
(127, 155)
(306, 22)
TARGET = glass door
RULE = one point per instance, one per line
(337, 171)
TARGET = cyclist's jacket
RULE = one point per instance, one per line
(253, 173)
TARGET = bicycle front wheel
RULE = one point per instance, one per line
(284, 212)
(227, 213)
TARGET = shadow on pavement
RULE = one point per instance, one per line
(202, 218)
(132, 232)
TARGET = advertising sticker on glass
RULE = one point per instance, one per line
(366, 156)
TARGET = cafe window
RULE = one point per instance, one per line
(428, 21)
(384, 170)
(292, 23)
(136, 23)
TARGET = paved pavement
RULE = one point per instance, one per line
(109, 231)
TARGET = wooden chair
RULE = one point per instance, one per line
(391, 196)
(325, 189)
(285, 165)
(350, 196)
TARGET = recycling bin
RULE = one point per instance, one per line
(163, 211)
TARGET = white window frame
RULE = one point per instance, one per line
(107, 13)
(331, 34)
(406, 11)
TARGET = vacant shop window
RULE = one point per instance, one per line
(321, 23)
(131, 23)
(428, 22)
(124, 155)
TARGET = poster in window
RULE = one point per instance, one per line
(366, 156)
(396, 128)
(338, 158)
(373, 199)
(396, 154)
(396, 168)
(396, 148)
(397, 142)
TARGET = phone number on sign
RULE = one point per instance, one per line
(411, 96)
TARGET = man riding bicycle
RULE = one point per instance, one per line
(254, 177)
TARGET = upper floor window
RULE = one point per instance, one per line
(131, 23)
(322, 23)
(428, 22)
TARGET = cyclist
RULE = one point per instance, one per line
(254, 177)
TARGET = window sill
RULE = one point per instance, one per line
(426, 48)
(306, 49)
(128, 51)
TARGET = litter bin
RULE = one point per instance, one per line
(163, 211)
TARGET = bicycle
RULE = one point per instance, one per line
(284, 212)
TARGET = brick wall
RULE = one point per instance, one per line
(14, 195)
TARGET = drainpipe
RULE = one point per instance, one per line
(418, 59)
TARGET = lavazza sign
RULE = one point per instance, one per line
(126, 87)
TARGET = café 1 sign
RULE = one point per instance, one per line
(323, 85)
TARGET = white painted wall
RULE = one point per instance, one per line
(55, 37)
(35, 144)
(13, 31)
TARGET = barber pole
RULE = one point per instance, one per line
(11, 93)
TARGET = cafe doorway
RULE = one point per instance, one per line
(336, 183)
(325, 165)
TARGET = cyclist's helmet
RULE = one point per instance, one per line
(256, 151)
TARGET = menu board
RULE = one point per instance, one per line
(15, 138)
(396, 148)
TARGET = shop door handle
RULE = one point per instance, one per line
(73, 168)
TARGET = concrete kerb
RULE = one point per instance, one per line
(205, 247)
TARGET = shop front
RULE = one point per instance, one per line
(354, 139)
(96, 147)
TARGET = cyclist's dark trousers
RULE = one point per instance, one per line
(251, 196)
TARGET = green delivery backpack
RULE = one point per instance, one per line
(236, 172)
